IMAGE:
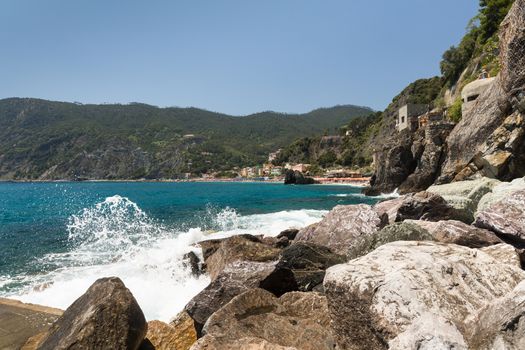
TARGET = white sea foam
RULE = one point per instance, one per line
(393, 194)
(117, 238)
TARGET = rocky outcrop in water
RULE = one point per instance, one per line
(297, 178)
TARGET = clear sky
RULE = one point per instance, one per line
(231, 56)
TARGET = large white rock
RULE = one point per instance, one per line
(387, 293)
(500, 325)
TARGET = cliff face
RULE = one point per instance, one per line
(488, 141)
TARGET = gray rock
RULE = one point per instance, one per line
(389, 208)
(107, 316)
(386, 293)
(237, 278)
(401, 231)
(296, 319)
(465, 195)
(506, 217)
(341, 226)
(427, 206)
(457, 232)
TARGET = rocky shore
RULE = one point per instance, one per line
(440, 267)
(437, 269)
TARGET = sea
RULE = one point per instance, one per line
(57, 238)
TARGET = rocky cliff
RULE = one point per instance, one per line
(489, 140)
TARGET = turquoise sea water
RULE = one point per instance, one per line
(57, 238)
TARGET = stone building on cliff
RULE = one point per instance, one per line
(408, 116)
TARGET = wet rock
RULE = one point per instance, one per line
(506, 217)
(465, 195)
(235, 279)
(500, 324)
(308, 263)
(220, 252)
(427, 206)
(298, 320)
(107, 316)
(192, 261)
(457, 232)
(387, 293)
(341, 226)
(403, 231)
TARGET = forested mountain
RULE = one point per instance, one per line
(42, 139)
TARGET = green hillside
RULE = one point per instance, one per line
(42, 139)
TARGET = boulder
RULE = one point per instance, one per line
(504, 253)
(499, 192)
(465, 195)
(220, 252)
(107, 316)
(427, 206)
(400, 231)
(341, 226)
(308, 263)
(457, 232)
(298, 320)
(389, 209)
(387, 293)
(506, 217)
(500, 324)
(237, 278)
(180, 335)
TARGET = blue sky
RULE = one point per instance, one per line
(231, 56)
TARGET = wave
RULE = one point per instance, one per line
(391, 195)
(116, 238)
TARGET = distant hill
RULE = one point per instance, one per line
(48, 140)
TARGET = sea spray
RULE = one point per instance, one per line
(116, 238)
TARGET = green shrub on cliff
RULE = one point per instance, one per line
(454, 112)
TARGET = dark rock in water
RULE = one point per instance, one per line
(290, 234)
(308, 262)
(297, 178)
(427, 206)
(257, 319)
(107, 316)
(220, 252)
(235, 279)
(192, 261)
(505, 217)
(341, 226)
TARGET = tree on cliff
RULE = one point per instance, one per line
(491, 14)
